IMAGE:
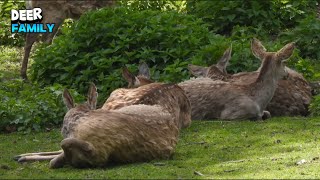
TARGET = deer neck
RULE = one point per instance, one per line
(262, 90)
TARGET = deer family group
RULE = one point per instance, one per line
(142, 122)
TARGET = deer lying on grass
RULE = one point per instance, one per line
(143, 125)
(56, 12)
(291, 98)
(230, 101)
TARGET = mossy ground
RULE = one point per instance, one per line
(207, 149)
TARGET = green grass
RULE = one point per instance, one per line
(10, 58)
(216, 149)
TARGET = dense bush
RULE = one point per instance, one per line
(101, 42)
(161, 5)
(7, 38)
(307, 37)
(272, 16)
(28, 107)
(315, 106)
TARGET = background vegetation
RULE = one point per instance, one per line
(166, 34)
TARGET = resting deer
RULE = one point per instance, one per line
(56, 12)
(291, 98)
(142, 125)
(231, 101)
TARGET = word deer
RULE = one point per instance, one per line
(291, 98)
(231, 101)
(142, 125)
(56, 12)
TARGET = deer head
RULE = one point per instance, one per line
(216, 71)
(143, 77)
(273, 63)
(75, 111)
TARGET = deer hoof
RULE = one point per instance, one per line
(266, 115)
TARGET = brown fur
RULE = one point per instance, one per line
(145, 128)
(229, 100)
(291, 98)
(137, 124)
(56, 12)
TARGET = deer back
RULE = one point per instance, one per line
(292, 96)
(169, 96)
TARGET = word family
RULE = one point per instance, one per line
(27, 21)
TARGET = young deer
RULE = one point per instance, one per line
(230, 101)
(146, 128)
(56, 12)
(291, 98)
(142, 78)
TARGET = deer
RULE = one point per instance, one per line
(56, 12)
(144, 127)
(291, 98)
(218, 99)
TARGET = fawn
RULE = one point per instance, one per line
(291, 98)
(229, 100)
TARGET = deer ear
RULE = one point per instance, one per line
(258, 49)
(144, 70)
(130, 78)
(67, 99)
(92, 96)
(223, 62)
(285, 52)
(198, 71)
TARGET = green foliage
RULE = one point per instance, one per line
(28, 107)
(272, 16)
(7, 38)
(101, 42)
(307, 37)
(10, 62)
(161, 5)
(315, 106)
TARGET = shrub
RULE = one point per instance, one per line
(161, 5)
(307, 37)
(7, 38)
(315, 106)
(271, 16)
(27, 107)
(101, 42)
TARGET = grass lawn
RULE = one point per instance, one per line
(208, 149)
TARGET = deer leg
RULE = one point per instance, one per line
(37, 158)
(25, 157)
(30, 39)
(266, 115)
(58, 162)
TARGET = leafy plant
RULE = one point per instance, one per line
(7, 38)
(307, 37)
(271, 16)
(315, 106)
(161, 5)
(98, 45)
(27, 107)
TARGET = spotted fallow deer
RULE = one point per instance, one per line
(231, 101)
(56, 12)
(291, 98)
(138, 124)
